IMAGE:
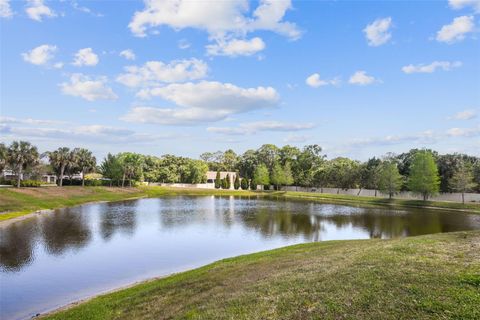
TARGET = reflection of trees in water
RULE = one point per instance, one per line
(16, 245)
(65, 229)
(119, 217)
(280, 222)
(378, 223)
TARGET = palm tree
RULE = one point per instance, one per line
(85, 161)
(20, 156)
(3, 156)
(59, 160)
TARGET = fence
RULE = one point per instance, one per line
(469, 197)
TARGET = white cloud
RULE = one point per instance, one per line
(432, 67)
(464, 115)
(460, 4)
(12, 120)
(294, 138)
(218, 18)
(361, 78)
(202, 102)
(421, 137)
(236, 47)
(457, 30)
(40, 55)
(314, 81)
(464, 132)
(128, 54)
(5, 9)
(85, 57)
(254, 127)
(36, 10)
(154, 72)
(377, 32)
(94, 134)
(88, 88)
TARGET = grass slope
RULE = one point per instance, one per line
(426, 277)
(19, 202)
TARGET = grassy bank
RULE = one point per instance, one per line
(18, 202)
(427, 277)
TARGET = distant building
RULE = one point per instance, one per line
(11, 175)
(212, 175)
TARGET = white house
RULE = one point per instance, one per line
(212, 175)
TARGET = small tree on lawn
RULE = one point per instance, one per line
(236, 183)
(389, 179)
(218, 181)
(424, 177)
(463, 179)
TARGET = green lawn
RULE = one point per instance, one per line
(18, 202)
(426, 277)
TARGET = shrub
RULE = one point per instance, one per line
(236, 183)
(244, 184)
(27, 183)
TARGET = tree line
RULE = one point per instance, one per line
(422, 171)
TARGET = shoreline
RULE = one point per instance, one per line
(158, 192)
(182, 286)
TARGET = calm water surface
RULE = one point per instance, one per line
(57, 258)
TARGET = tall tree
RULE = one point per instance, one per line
(268, 155)
(85, 161)
(20, 156)
(343, 173)
(463, 179)
(369, 174)
(423, 178)
(132, 165)
(277, 177)
(59, 160)
(261, 175)
(229, 160)
(111, 168)
(390, 180)
(3, 157)
(287, 172)
(308, 161)
(247, 163)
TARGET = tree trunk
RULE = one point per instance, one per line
(338, 191)
(424, 197)
(375, 193)
(130, 182)
(19, 174)
(123, 180)
(62, 169)
(359, 191)
(463, 197)
(390, 195)
(83, 178)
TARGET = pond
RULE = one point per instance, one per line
(60, 257)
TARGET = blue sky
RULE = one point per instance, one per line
(183, 77)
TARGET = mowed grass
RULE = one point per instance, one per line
(426, 277)
(17, 202)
